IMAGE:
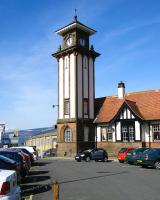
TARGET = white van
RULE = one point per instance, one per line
(9, 190)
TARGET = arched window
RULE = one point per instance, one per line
(67, 135)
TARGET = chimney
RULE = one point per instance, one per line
(121, 90)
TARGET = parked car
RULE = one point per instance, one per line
(150, 157)
(92, 154)
(25, 156)
(17, 157)
(9, 190)
(134, 154)
(123, 153)
(26, 152)
(9, 164)
(49, 153)
(31, 150)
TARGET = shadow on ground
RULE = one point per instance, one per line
(35, 179)
(41, 163)
(28, 190)
(34, 173)
(34, 183)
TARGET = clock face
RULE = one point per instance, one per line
(82, 41)
(69, 41)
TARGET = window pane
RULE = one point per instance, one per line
(66, 107)
(67, 135)
(109, 133)
(156, 132)
(104, 133)
(86, 107)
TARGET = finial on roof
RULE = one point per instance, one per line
(75, 16)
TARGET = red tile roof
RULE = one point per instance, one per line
(146, 105)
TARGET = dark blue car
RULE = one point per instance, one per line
(92, 154)
(17, 158)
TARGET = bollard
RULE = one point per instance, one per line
(56, 190)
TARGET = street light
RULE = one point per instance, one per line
(54, 105)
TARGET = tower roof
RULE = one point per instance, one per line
(73, 25)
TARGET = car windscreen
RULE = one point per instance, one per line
(122, 150)
(87, 151)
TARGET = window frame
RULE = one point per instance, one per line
(156, 131)
(67, 135)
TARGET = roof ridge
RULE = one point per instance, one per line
(128, 93)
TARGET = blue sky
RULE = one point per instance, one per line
(127, 38)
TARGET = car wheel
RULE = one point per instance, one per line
(121, 161)
(157, 165)
(105, 159)
(88, 159)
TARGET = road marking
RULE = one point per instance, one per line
(130, 166)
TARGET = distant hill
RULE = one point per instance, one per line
(25, 134)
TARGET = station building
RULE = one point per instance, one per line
(84, 121)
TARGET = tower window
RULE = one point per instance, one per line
(86, 133)
(66, 106)
(85, 108)
(67, 135)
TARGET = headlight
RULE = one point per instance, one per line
(82, 155)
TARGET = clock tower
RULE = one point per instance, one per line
(76, 89)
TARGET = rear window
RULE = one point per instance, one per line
(151, 151)
(122, 150)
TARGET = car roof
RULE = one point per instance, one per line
(7, 160)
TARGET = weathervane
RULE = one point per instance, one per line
(75, 16)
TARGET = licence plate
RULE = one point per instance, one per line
(139, 161)
(128, 154)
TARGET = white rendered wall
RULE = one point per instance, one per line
(125, 114)
(85, 77)
(60, 89)
(98, 133)
(79, 81)
(137, 130)
(91, 89)
(66, 77)
(72, 87)
(145, 132)
(118, 130)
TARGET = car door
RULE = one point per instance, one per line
(98, 154)
(94, 154)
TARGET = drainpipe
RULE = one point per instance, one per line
(149, 135)
(96, 135)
